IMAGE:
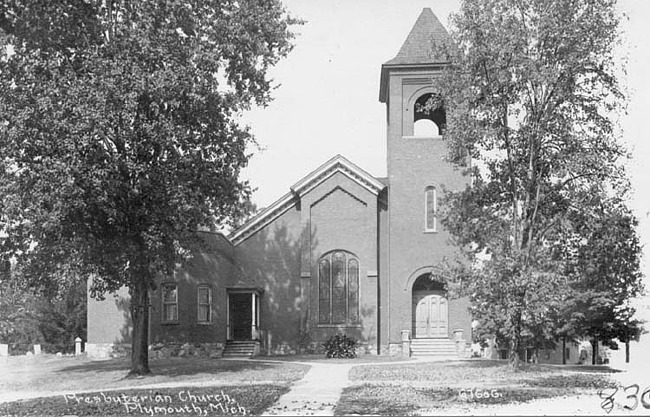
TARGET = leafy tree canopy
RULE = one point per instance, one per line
(532, 98)
(119, 131)
(601, 254)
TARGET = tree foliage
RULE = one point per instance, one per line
(601, 256)
(29, 317)
(531, 95)
(120, 136)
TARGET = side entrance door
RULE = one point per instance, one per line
(241, 317)
(431, 317)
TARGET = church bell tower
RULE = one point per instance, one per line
(417, 171)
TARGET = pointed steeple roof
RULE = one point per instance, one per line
(418, 46)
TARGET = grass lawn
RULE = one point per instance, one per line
(406, 388)
(460, 372)
(401, 400)
(48, 373)
(319, 358)
(181, 401)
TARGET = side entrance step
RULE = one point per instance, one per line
(241, 349)
(443, 348)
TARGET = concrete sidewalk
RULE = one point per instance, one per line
(318, 392)
(314, 395)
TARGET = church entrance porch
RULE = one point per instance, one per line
(243, 314)
(430, 318)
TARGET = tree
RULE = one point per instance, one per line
(63, 318)
(120, 136)
(28, 317)
(601, 253)
(19, 325)
(530, 93)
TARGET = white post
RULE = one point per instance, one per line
(4, 349)
(254, 317)
(228, 329)
(77, 346)
(257, 306)
(37, 349)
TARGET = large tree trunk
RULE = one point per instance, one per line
(594, 351)
(563, 350)
(627, 352)
(515, 342)
(140, 316)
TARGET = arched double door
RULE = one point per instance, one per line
(430, 309)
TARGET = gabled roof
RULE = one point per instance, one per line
(418, 50)
(337, 164)
(329, 168)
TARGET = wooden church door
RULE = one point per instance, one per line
(431, 317)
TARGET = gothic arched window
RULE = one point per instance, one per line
(338, 288)
(430, 209)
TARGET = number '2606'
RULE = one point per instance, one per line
(632, 398)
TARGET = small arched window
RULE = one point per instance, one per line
(430, 209)
(338, 288)
(429, 117)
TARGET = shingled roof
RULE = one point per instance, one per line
(418, 46)
(418, 49)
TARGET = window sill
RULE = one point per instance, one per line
(339, 325)
(430, 231)
(204, 323)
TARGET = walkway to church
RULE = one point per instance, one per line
(317, 393)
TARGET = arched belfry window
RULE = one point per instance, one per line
(431, 209)
(429, 118)
(338, 288)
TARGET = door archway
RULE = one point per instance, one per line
(430, 310)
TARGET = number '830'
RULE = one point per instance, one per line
(632, 398)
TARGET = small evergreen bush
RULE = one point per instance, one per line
(341, 346)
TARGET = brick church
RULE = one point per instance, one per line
(342, 251)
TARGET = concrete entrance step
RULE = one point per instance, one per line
(434, 347)
(241, 349)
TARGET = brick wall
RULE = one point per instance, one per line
(414, 163)
(270, 259)
(343, 216)
(211, 268)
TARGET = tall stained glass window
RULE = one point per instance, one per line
(338, 288)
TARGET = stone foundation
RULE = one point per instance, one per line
(185, 350)
(156, 351)
(366, 349)
(394, 349)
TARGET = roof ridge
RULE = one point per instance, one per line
(338, 163)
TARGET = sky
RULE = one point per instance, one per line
(326, 100)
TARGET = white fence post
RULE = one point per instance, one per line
(77, 346)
